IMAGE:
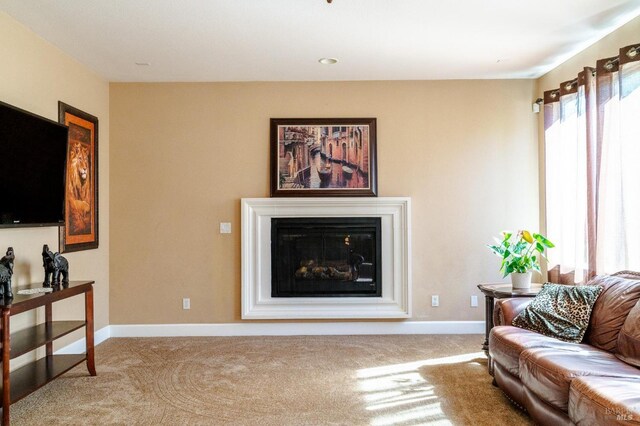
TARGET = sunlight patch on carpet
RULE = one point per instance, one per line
(401, 392)
(428, 414)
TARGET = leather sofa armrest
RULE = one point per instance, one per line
(507, 309)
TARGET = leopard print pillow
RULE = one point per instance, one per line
(560, 311)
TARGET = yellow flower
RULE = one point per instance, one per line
(527, 237)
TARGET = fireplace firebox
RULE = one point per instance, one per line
(326, 257)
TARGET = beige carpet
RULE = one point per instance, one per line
(305, 380)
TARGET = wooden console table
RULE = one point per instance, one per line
(23, 381)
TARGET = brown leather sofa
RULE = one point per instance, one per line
(596, 382)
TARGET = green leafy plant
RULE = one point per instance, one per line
(520, 252)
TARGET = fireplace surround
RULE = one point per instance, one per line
(392, 271)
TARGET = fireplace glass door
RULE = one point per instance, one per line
(325, 257)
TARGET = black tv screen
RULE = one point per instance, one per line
(33, 154)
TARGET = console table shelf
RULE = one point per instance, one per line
(33, 376)
(32, 338)
(21, 382)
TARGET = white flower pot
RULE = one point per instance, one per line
(521, 280)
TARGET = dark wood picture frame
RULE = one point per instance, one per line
(348, 170)
(80, 231)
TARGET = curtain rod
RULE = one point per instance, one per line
(569, 85)
(631, 53)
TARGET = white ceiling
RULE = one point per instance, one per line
(282, 40)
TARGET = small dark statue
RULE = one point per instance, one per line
(54, 266)
(6, 272)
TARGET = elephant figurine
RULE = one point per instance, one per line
(54, 266)
(6, 272)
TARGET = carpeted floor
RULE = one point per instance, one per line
(302, 380)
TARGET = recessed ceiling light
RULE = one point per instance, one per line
(328, 61)
(143, 64)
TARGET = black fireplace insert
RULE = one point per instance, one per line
(326, 257)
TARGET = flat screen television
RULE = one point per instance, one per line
(33, 155)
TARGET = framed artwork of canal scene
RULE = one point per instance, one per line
(324, 157)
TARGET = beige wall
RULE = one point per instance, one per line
(609, 46)
(183, 155)
(35, 75)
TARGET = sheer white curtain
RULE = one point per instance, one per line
(592, 162)
(619, 189)
(566, 184)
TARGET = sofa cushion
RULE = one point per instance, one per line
(604, 401)
(628, 348)
(560, 311)
(618, 297)
(506, 343)
(548, 372)
(632, 275)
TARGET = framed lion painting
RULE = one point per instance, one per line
(80, 231)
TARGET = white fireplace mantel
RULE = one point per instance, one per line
(395, 301)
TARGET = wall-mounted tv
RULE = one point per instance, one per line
(33, 154)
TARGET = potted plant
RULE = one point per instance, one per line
(520, 254)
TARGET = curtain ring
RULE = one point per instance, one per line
(608, 66)
(632, 53)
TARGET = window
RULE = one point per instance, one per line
(592, 164)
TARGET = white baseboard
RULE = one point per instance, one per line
(78, 347)
(277, 329)
(298, 329)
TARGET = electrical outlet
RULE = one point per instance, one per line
(186, 303)
(225, 227)
(474, 301)
(435, 300)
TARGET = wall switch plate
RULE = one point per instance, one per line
(186, 303)
(474, 301)
(435, 300)
(225, 227)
